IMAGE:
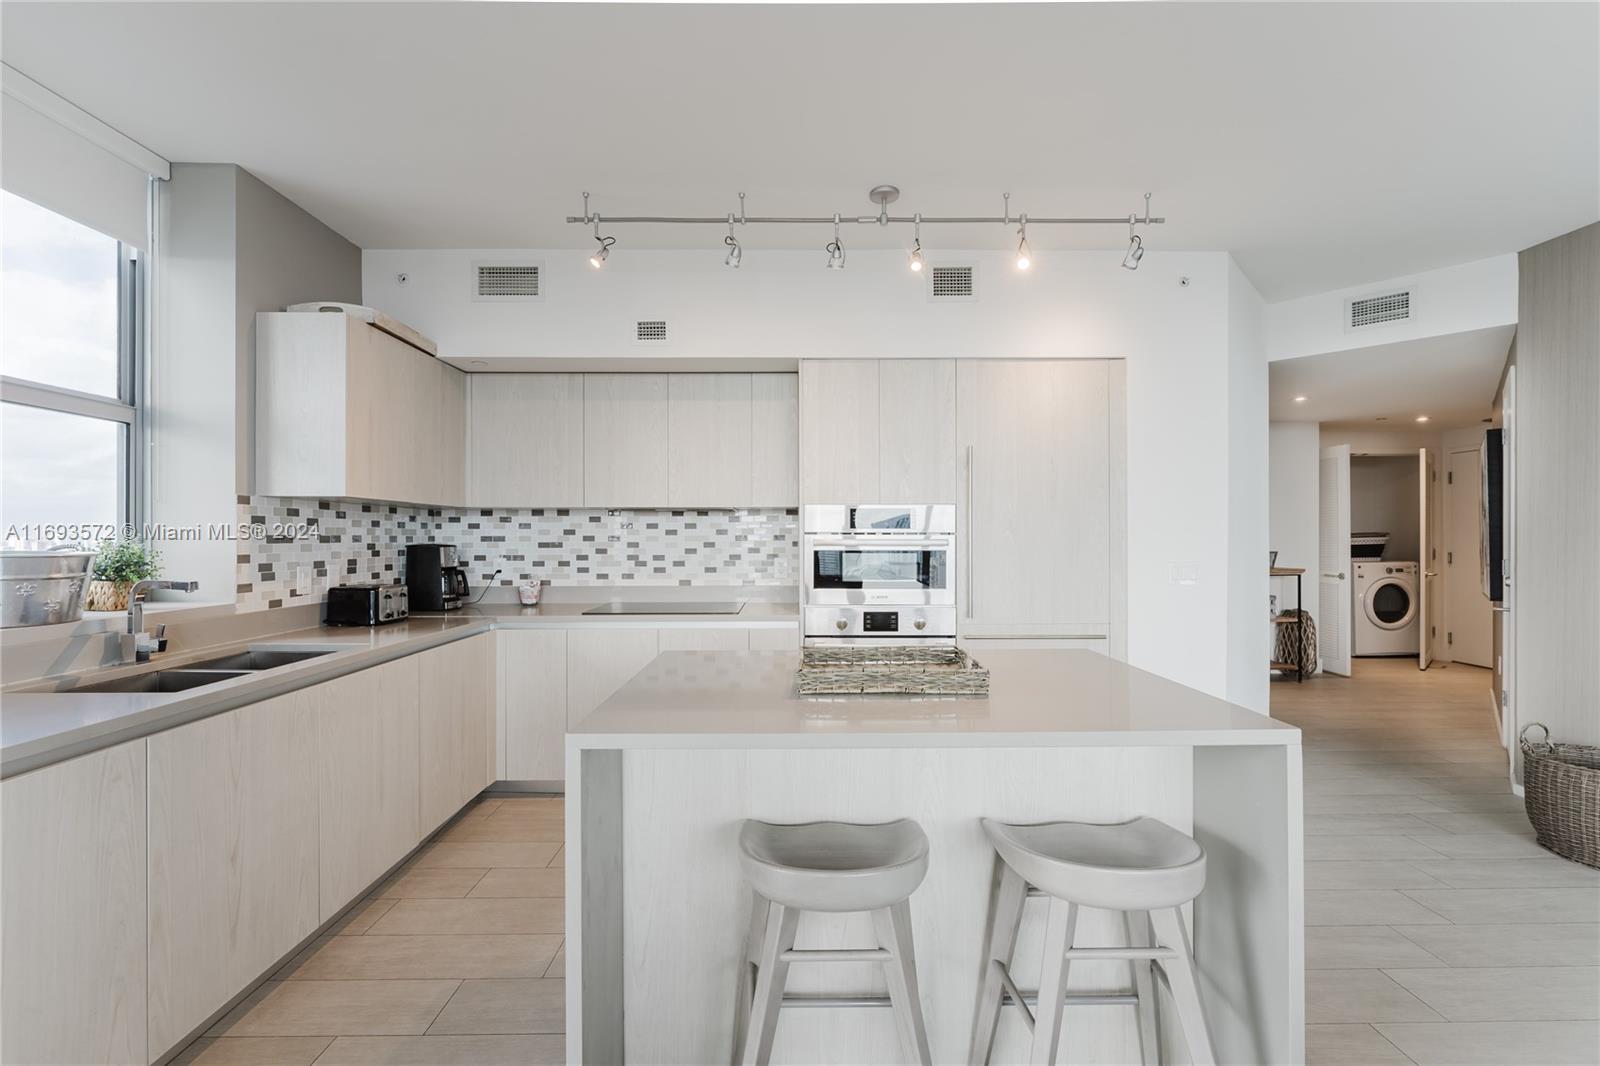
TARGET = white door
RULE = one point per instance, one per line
(1508, 605)
(1333, 493)
(1468, 618)
(1427, 571)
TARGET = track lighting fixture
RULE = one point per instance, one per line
(835, 248)
(1024, 254)
(1130, 261)
(916, 244)
(603, 252)
(735, 253)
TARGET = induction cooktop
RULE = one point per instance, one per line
(667, 607)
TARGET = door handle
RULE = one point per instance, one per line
(1338, 577)
(1500, 610)
(972, 553)
(1430, 573)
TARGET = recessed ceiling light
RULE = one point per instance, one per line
(1422, 418)
(1299, 399)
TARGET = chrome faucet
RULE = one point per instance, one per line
(135, 640)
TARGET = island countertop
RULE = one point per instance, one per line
(721, 699)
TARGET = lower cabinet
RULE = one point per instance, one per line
(72, 964)
(456, 693)
(703, 640)
(233, 856)
(600, 661)
(775, 638)
(533, 702)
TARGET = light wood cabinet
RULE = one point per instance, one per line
(348, 411)
(916, 431)
(839, 431)
(703, 639)
(456, 716)
(709, 436)
(367, 777)
(72, 960)
(774, 440)
(775, 638)
(1034, 438)
(526, 438)
(533, 693)
(233, 856)
(600, 661)
(625, 438)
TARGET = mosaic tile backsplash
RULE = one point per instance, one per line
(350, 542)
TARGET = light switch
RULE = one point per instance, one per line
(1184, 573)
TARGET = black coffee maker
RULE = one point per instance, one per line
(435, 579)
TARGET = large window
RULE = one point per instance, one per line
(69, 374)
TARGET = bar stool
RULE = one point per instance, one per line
(827, 866)
(1143, 868)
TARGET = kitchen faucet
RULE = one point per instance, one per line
(136, 640)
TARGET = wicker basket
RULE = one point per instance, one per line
(1561, 786)
(107, 595)
(890, 670)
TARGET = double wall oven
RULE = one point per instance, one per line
(878, 573)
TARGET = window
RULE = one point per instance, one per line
(69, 371)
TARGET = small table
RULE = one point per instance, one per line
(1286, 619)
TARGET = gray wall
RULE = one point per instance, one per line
(1556, 572)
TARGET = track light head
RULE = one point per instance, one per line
(735, 253)
(835, 248)
(1024, 253)
(916, 244)
(1135, 253)
(603, 252)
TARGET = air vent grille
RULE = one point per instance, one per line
(650, 331)
(508, 281)
(1377, 310)
(951, 283)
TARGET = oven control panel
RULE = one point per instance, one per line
(900, 625)
(880, 621)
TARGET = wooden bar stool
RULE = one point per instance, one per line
(1143, 868)
(828, 866)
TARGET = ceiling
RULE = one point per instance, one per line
(1452, 379)
(1325, 145)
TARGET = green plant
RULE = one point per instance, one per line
(124, 561)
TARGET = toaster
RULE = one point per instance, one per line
(367, 605)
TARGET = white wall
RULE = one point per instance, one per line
(1294, 451)
(1175, 339)
(1383, 498)
(1248, 520)
(1451, 300)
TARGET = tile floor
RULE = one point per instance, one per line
(456, 959)
(1437, 931)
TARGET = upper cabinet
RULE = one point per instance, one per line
(625, 440)
(774, 440)
(878, 431)
(526, 435)
(709, 439)
(345, 410)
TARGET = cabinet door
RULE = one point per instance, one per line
(526, 440)
(72, 961)
(709, 434)
(232, 857)
(708, 638)
(455, 714)
(449, 469)
(600, 661)
(625, 440)
(775, 638)
(367, 777)
(916, 431)
(839, 431)
(396, 420)
(1034, 436)
(533, 672)
(774, 440)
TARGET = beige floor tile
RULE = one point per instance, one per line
(1507, 994)
(1373, 873)
(360, 917)
(1480, 822)
(1504, 804)
(337, 1008)
(1354, 947)
(1509, 873)
(1497, 1043)
(427, 916)
(253, 1051)
(1481, 845)
(558, 965)
(1383, 906)
(1508, 945)
(431, 882)
(505, 1007)
(1367, 847)
(1350, 1045)
(345, 958)
(545, 883)
(1372, 805)
(1367, 824)
(1369, 785)
(446, 1051)
(1492, 906)
(501, 829)
(1361, 996)
(560, 858)
(486, 854)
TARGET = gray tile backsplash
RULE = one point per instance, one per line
(350, 542)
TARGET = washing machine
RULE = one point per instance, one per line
(1385, 610)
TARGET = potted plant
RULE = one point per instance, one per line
(119, 564)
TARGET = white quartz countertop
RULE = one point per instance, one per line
(700, 699)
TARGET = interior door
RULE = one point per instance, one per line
(1427, 573)
(1508, 605)
(1468, 618)
(1333, 493)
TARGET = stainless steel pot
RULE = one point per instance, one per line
(42, 588)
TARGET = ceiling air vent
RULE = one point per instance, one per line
(952, 283)
(650, 331)
(1379, 310)
(507, 281)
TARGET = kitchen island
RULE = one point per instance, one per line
(661, 775)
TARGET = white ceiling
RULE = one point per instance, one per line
(1325, 145)
(1452, 379)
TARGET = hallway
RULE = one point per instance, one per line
(1437, 931)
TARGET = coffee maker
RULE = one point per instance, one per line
(435, 579)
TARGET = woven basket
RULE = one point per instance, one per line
(107, 595)
(890, 670)
(1561, 787)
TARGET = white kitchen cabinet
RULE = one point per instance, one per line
(72, 961)
(526, 440)
(678, 638)
(533, 701)
(839, 431)
(1034, 439)
(456, 725)
(775, 638)
(916, 431)
(774, 440)
(233, 856)
(709, 440)
(625, 440)
(345, 410)
(600, 661)
(367, 777)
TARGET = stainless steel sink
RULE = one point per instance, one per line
(256, 659)
(164, 681)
